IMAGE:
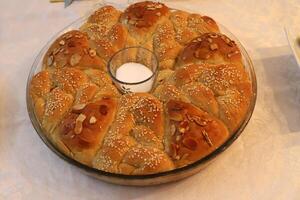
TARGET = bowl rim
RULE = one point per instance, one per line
(114, 77)
(234, 135)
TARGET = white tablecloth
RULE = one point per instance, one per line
(264, 163)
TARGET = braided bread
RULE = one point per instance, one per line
(200, 97)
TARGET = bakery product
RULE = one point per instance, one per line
(200, 97)
(72, 50)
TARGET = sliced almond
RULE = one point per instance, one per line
(68, 36)
(159, 6)
(81, 118)
(213, 46)
(50, 60)
(92, 52)
(200, 122)
(182, 130)
(78, 127)
(178, 138)
(79, 106)
(93, 120)
(176, 117)
(172, 129)
(206, 138)
(74, 60)
(62, 42)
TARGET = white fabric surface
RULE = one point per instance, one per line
(264, 163)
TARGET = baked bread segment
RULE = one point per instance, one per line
(141, 19)
(223, 90)
(134, 143)
(189, 26)
(72, 50)
(165, 46)
(107, 40)
(56, 106)
(54, 92)
(192, 133)
(83, 129)
(106, 16)
(202, 97)
(211, 48)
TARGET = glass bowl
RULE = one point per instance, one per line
(151, 179)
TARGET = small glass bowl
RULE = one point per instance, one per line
(151, 179)
(138, 55)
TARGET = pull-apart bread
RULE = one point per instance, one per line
(200, 97)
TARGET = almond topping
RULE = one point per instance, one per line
(213, 35)
(78, 128)
(92, 52)
(68, 36)
(78, 36)
(232, 54)
(200, 122)
(227, 40)
(159, 6)
(182, 130)
(74, 60)
(151, 8)
(131, 22)
(206, 137)
(79, 106)
(178, 138)
(62, 42)
(213, 46)
(93, 120)
(172, 129)
(50, 60)
(176, 117)
(78, 124)
(209, 40)
(81, 118)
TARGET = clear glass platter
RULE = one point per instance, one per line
(140, 180)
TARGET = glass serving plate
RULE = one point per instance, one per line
(140, 180)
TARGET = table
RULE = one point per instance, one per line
(264, 163)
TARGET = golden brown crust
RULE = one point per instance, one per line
(165, 46)
(193, 133)
(56, 106)
(84, 128)
(106, 15)
(227, 87)
(189, 26)
(212, 48)
(202, 97)
(124, 150)
(72, 50)
(142, 18)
